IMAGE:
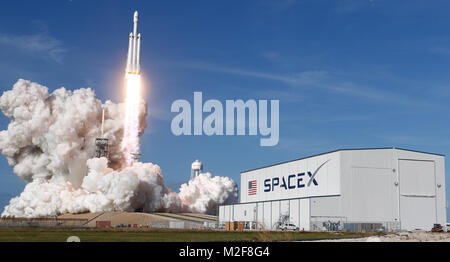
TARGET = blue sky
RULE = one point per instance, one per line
(348, 74)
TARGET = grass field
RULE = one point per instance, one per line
(160, 235)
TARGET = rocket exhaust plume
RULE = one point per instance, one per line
(130, 142)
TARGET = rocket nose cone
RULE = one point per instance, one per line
(136, 14)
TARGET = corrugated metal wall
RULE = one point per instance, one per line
(393, 187)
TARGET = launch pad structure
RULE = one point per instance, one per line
(101, 148)
(102, 143)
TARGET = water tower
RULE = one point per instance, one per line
(196, 169)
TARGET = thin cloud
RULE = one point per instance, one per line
(333, 118)
(158, 114)
(440, 51)
(272, 56)
(237, 71)
(40, 43)
(314, 79)
(278, 5)
(422, 141)
(304, 146)
(287, 96)
(306, 77)
(351, 6)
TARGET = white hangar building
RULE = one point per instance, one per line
(352, 189)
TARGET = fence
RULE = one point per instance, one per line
(327, 223)
(41, 222)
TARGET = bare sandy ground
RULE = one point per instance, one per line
(139, 219)
(401, 237)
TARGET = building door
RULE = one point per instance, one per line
(417, 194)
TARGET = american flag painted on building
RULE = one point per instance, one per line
(252, 188)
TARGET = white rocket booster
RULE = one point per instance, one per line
(134, 49)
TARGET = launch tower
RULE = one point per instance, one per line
(101, 143)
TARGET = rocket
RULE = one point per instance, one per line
(134, 49)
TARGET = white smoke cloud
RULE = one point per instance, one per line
(204, 193)
(50, 134)
(50, 144)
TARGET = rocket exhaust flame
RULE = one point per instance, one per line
(130, 142)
